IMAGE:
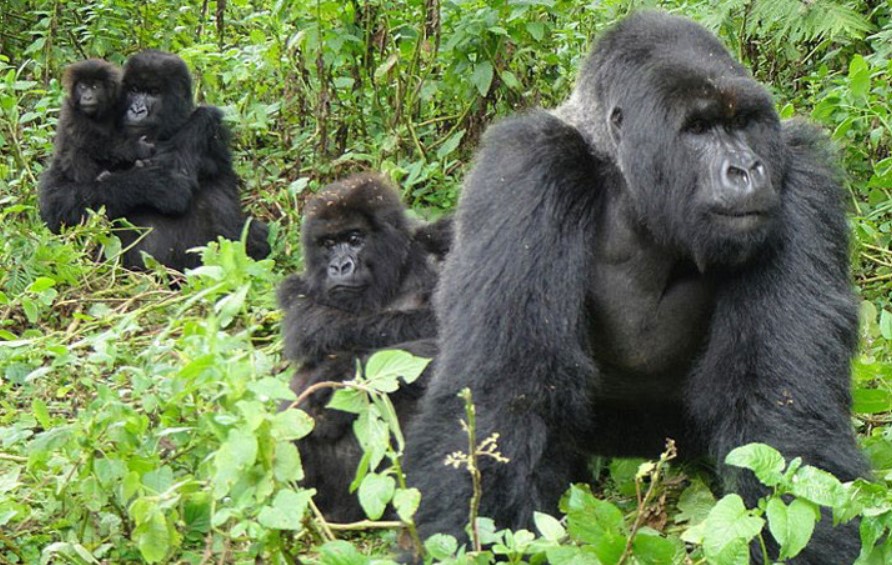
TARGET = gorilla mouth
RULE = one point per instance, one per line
(348, 288)
(742, 219)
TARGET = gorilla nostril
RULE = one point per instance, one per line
(737, 176)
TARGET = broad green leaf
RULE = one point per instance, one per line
(340, 552)
(287, 465)
(385, 366)
(818, 486)
(286, 511)
(549, 527)
(649, 548)
(348, 400)
(859, 77)
(596, 522)
(450, 144)
(153, 537)
(406, 501)
(728, 526)
(766, 462)
(291, 424)
(269, 388)
(441, 546)
(482, 77)
(792, 526)
(871, 401)
(235, 456)
(572, 555)
(694, 503)
(375, 492)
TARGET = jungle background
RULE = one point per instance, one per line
(139, 423)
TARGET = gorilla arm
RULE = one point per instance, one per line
(436, 237)
(168, 184)
(313, 330)
(512, 307)
(787, 383)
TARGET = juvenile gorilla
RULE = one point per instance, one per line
(88, 141)
(658, 257)
(367, 285)
(188, 193)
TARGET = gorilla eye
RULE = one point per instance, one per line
(328, 243)
(740, 121)
(697, 127)
(355, 239)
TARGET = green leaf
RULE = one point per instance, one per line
(384, 367)
(549, 527)
(40, 284)
(286, 511)
(287, 465)
(348, 400)
(375, 492)
(571, 555)
(765, 461)
(153, 537)
(649, 548)
(536, 29)
(406, 501)
(450, 144)
(818, 486)
(482, 77)
(792, 526)
(595, 522)
(269, 388)
(859, 77)
(510, 80)
(441, 546)
(340, 552)
(236, 455)
(871, 401)
(728, 528)
(229, 306)
(291, 424)
(694, 503)
(39, 409)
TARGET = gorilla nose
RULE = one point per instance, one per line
(341, 269)
(743, 174)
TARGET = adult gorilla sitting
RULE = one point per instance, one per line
(188, 193)
(659, 257)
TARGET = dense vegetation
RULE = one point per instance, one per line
(139, 423)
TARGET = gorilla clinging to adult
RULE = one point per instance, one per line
(187, 194)
(658, 257)
(369, 275)
(88, 140)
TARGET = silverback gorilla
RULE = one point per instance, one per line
(367, 285)
(188, 192)
(658, 257)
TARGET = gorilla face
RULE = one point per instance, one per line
(92, 87)
(698, 143)
(342, 255)
(355, 241)
(158, 90)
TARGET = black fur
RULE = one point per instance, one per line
(384, 303)
(186, 195)
(88, 141)
(658, 257)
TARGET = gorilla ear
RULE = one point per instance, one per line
(615, 124)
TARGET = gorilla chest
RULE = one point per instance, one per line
(648, 321)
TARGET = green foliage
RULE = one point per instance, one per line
(141, 424)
